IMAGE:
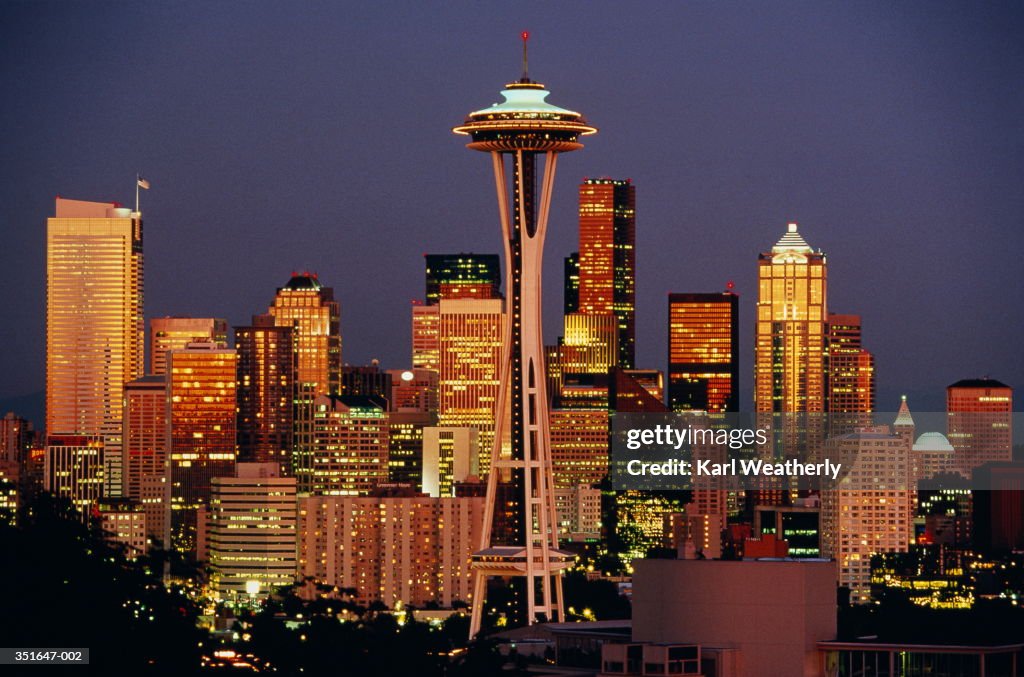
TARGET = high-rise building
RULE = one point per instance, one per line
(998, 509)
(16, 437)
(607, 257)
(123, 522)
(979, 422)
(851, 369)
(571, 283)
(426, 339)
(266, 392)
(589, 344)
(460, 276)
(349, 448)
(146, 461)
(369, 380)
(579, 446)
(406, 548)
(871, 509)
(73, 469)
(413, 390)
(252, 531)
(405, 445)
(94, 321)
(524, 127)
(579, 512)
(471, 332)
(201, 426)
(790, 347)
(703, 352)
(450, 455)
(174, 333)
(314, 316)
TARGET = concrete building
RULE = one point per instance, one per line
(251, 531)
(764, 618)
(174, 333)
(579, 512)
(266, 392)
(349, 446)
(73, 469)
(980, 422)
(703, 352)
(146, 457)
(408, 548)
(450, 455)
(579, 446)
(123, 521)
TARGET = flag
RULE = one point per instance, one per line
(143, 183)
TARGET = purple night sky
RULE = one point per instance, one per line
(318, 137)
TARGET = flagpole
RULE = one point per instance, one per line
(136, 192)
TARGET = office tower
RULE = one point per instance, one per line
(404, 548)
(524, 126)
(10, 481)
(252, 531)
(703, 352)
(94, 321)
(579, 446)
(349, 446)
(426, 339)
(571, 283)
(461, 276)
(790, 344)
(870, 510)
(266, 391)
(851, 371)
(146, 469)
(174, 333)
(589, 344)
(449, 456)
(470, 333)
(607, 257)
(933, 456)
(636, 390)
(369, 380)
(73, 469)
(123, 522)
(201, 427)
(314, 316)
(413, 390)
(405, 445)
(16, 436)
(979, 422)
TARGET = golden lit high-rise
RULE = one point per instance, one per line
(791, 329)
(94, 320)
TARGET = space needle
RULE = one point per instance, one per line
(522, 543)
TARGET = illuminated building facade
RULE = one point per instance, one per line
(409, 548)
(16, 436)
(123, 521)
(405, 445)
(458, 276)
(174, 333)
(252, 531)
(145, 451)
(790, 347)
(703, 352)
(851, 369)
(94, 321)
(571, 283)
(73, 469)
(871, 509)
(590, 344)
(607, 257)
(979, 422)
(349, 446)
(450, 455)
(579, 512)
(471, 332)
(201, 427)
(413, 390)
(426, 338)
(266, 392)
(579, 446)
(523, 127)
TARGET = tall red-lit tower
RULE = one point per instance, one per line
(523, 127)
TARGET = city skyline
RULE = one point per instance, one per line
(948, 271)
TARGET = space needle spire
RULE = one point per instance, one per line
(523, 545)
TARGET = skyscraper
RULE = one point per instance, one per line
(457, 276)
(524, 127)
(851, 369)
(589, 344)
(266, 392)
(350, 446)
(607, 257)
(201, 429)
(174, 333)
(146, 476)
(790, 346)
(703, 352)
(426, 346)
(94, 320)
(979, 422)
(571, 283)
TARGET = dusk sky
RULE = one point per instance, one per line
(316, 136)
